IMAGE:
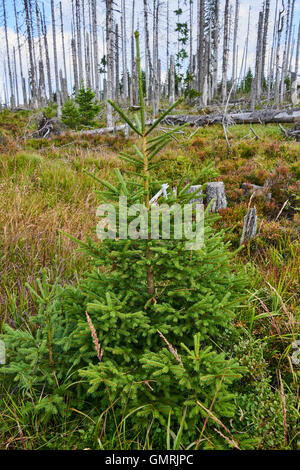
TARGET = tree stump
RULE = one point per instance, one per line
(216, 191)
(250, 225)
(198, 196)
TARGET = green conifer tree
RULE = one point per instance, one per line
(247, 82)
(88, 107)
(70, 114)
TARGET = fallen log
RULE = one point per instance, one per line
(107, 130)
(102, 130)
(255, 117)
(258, 117)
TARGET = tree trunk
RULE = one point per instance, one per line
(95, 47)
(20, 57)
(42, 85)
(117, 62)
(256, 83)
(287, 70)
(88, 61)
(247, 42)
(284, 59)
(294, 90)
(225, 51)
(63, 41)
(216, 47)
(124, 51)
(133, 64)
(236, 24)
(31, 60)
(201, 50)
(155, 93)
(16, 76)
(191, 39)
(32, 38)
(91, 47)
(254, 117)
(44, 32)
(58, 98)
(271, 66)
(172, 81)
(264, 41)
(78, 41)
(74, 60)
(168, 53)
(277, 73)
(84, 41)
(147, 53)
(12, 94)
(109, 45)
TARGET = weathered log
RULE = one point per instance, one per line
(102, 130)
(256, 190)
(258, 116)
(216, 191)
(108, 130)
(250, 225)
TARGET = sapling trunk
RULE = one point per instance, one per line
(149, 148)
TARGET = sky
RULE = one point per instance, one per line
(256, 6)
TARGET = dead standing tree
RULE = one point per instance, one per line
(109, 45)
(20, 57)
(234, 51)
(264, 40)
(31, 59)
(225, 51)
(280, 25)
(256, 83)
(10, 75)
(58, 97)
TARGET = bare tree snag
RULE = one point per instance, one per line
(109, 45)
(225, 51)
(58, 97)
(172, 81)
(31, 59)
(44, 31)
(250, 225)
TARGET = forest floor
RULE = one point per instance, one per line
(43, 189)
